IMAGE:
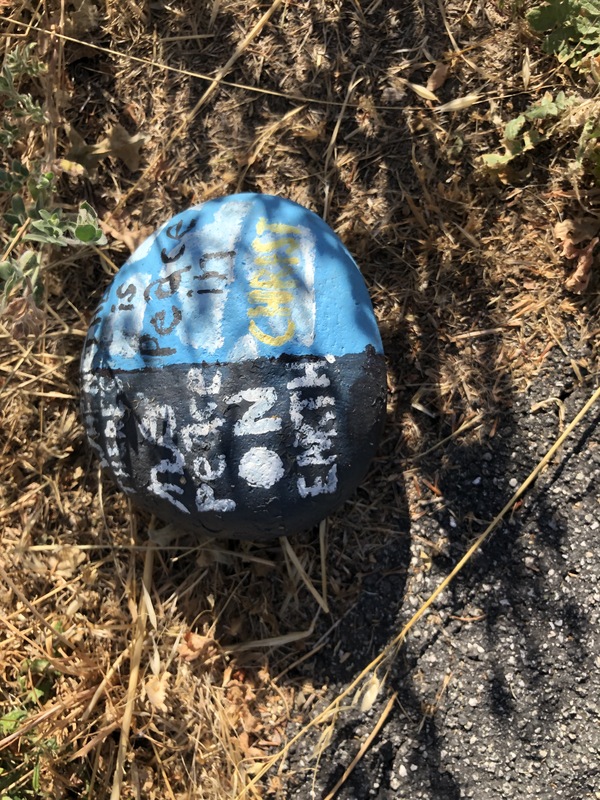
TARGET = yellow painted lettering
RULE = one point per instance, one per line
(263, 279)
(276, 260)
(263, 226)
(286, 243)
(274, 341)
(269, 303)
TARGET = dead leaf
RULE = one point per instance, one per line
(393, 94)
(247, 748)
(250, 722)
(128, 231)
(195, 646)
(118, 143)
(563, 229)
(526, 68)
(274, 740)
(156, 690)
(81, 152)
(579, 280)
(370, 694)
(438, 77)
(22, 317)
(83, 20)
(578, 230)
(226, 676)
(570, 249)
(66, 561)
(460, 103)
(125, 147)
(423, 92)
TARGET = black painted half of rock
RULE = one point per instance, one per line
(253, 449)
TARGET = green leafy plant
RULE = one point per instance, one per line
(572, 29)
(27, 190)
(549, 119)
(19, 106)
(525, 132)
(587, 155)
(20, 771)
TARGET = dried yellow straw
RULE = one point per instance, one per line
(134, 672)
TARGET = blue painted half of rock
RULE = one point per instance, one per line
(234, 279)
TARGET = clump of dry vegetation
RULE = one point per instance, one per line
(139, 663)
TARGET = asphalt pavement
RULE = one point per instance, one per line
(498, 686)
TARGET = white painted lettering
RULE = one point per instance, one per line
(310, 377)
(205, 420)
(158, 425)
(205, 472)
(253, 420)
(319, 487)
(315, 430)
(205, 500)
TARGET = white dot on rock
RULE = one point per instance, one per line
(261, 467)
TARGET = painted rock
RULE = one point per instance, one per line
(233, 378)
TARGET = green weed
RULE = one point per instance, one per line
(587, 155)
(525, 132)
(27, 190)
(572, 34)
(547, 120)
(572, 29)
(20, 768)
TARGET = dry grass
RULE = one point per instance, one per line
(174, 671)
